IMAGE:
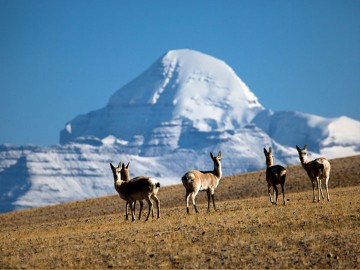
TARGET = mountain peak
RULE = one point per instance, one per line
(182, 86)
(180, 70)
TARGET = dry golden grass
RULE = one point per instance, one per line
(247, 231)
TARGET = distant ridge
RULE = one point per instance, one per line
(165, 122)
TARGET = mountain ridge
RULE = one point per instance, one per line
(165, 122)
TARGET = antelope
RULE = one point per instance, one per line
(137, 189)
(317, 170)
(275, 175)
(125, 175)
(195, 181)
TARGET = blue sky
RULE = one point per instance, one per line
(59, 59)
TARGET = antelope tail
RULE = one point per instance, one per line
(321, 167)
(186, 179)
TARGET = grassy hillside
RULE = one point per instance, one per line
(247, 231)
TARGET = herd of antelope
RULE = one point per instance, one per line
(146, 188)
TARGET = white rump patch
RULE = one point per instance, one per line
(153, 181)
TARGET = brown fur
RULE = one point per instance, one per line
(137, 189)
(125, 175)
(275, 175)
(317, 170)
(195, 181)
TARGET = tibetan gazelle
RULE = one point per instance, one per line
(195, 181)
(317, 170)
(275, 175)
(125, 175)
(137, 189)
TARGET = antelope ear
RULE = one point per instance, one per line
(298, 148)
(270, 150)
(112, 166)
(119, 164)
(128, 165)
(211, 155)
(305, 147)
(123, 166)
(219, 154)
(265, 152)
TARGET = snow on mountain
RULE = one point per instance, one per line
(74, 171)
(165, 122)
(182, 89)
(343, 138)
(332, 138)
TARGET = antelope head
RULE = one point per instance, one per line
(216, 159)
(302, 153)
(116, 171)
(269, 157)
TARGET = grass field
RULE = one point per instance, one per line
(246, 232)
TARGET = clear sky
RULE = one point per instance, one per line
(62, 58)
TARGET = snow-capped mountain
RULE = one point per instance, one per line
(182, 93)
(165, 122)
(331, 137)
